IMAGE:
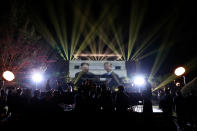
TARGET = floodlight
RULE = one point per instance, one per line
(8, 75)
(139, 80)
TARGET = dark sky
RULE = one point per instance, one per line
(184, 30)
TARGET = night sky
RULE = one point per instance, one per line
(183, 31)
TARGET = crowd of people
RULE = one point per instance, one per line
(20, 103)
(174, 104)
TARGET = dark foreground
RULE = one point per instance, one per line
(125, 121)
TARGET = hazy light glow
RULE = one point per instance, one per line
(37, 77)
(177, 84)
(116, 89)
(8, 75)
(179, 71)
(98, 55)
(139, 80)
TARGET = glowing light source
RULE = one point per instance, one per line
(98, 55)
(116, 89)
(8, 75)
(178, 84)
(37, 77)
(179, 71)
(139, 80)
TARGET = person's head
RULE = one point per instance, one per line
(36, 93)
(85, 67)
(19, 91)
(48, 81)
(48, 96)
(108, 66)
(58, 83)
(103, 87)
(120, 88)
(2, 92)
(27, 92)
(167, 91)
(56, 93)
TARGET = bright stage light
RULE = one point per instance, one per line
(37, 77)
(98, 55)
(8, 75)
(139, 80)
(116, 89)
(178, 84)
(179, 71)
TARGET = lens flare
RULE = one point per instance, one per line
(179, 71)
(8, 75)
(139, 80)
(37, 77)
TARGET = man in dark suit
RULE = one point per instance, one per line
(83, 75)
(112, 79)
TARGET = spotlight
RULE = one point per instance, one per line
(116, 89)
(179, 71)
(139, 80)
(37, 77)
(8, 75)
(178, 84)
